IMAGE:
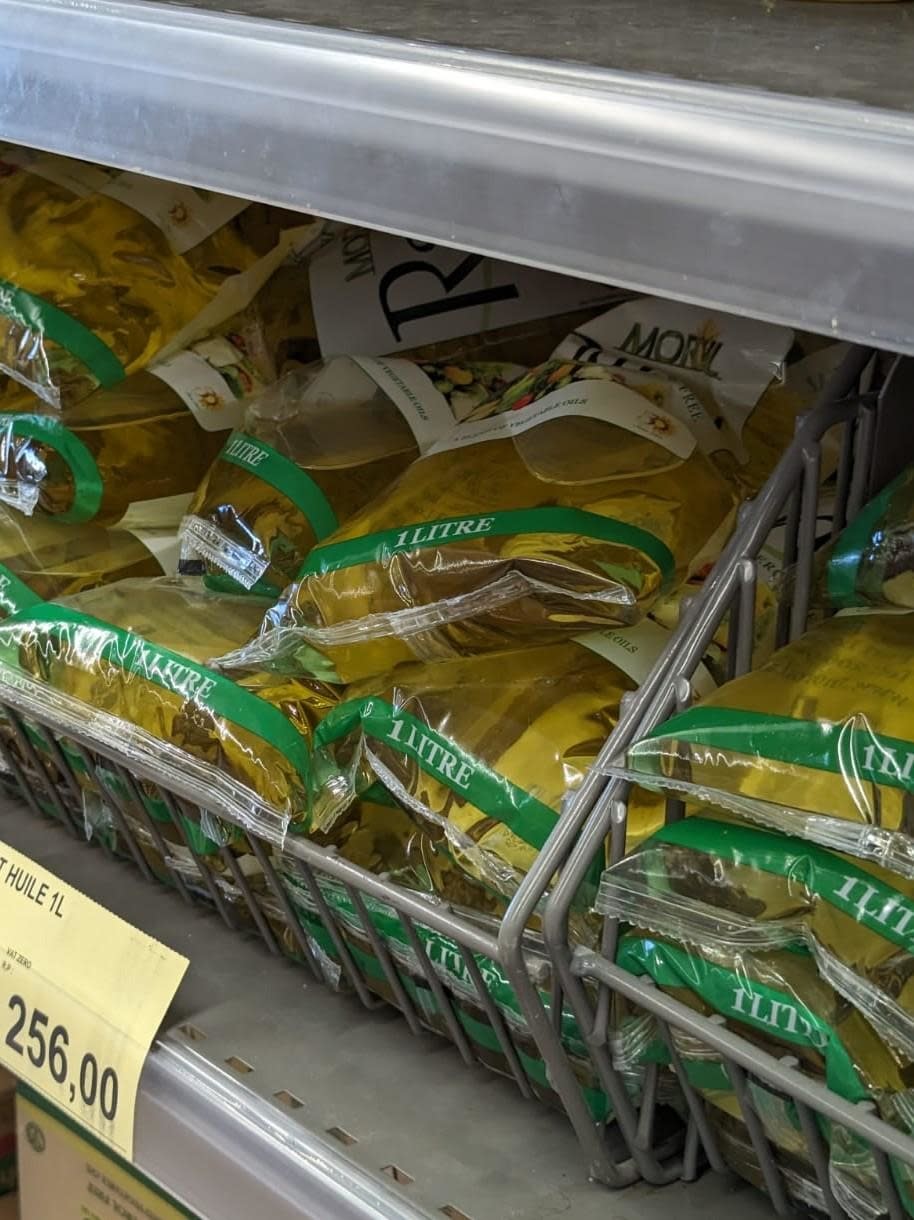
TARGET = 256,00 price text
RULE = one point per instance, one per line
(49, 1047)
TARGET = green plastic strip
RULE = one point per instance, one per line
(258, 458)
(27, 310)
(169, 670)
(219, 582)
(87, 481)
(732, 993)
(380, 547)
(467, 777)
(837, 881)
(848, 553)
(15, 594)
(859, 754)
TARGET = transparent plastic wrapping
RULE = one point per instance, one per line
(575, 501)
(737, 1149)
(754, 379)
(818, 742)
(318, 446)
(486, 749)
(126, 663)
(872, 562)
(775, 998)
(91, 290)
(41, 560)
(135, 453)
(381, 837)
(704, 876)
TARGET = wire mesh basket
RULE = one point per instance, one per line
(873, 449)
(491, 989)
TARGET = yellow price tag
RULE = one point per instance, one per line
(82, 995)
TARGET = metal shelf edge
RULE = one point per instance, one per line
(777, 207)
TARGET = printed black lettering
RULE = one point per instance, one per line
(398, 318)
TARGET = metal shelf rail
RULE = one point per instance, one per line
(722, 187)
(728, 596)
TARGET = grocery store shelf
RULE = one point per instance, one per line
(743, 183)
(228, 1148)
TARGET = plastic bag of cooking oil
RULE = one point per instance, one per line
(576, 501)
(707, 875)
(315, 448)
(134, 453)
(381, 837)
(818, 742)
(487, 748)
(872, 562)
(795, 1171)
(124, 666)
(41, 560)
(754, 379)
(774, 997)
(91, 289)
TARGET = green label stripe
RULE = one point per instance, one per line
(259, 458)
(169, 670)
(857, 754)
(733, 994)
(25, 309)
(380, 547)
(87, 481)
(479, 1032)
(219, 582)
(840, 883)
(442, 951)
(467, 777)
(14, 593)
(850, 549)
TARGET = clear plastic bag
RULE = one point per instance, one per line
(818, 742)
(314, 449)
(574, 502)
(126, 664)
(706, 876)
(135, 453)
(41, 560)
(872, 562)
(487, 749)
(775, 998)
(91, 290)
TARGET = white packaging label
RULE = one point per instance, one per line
(161, 513)
(727, 359)
(376, 294)
(635, 651)
(605, 400)
(163, 545)
(424, 409)
(186, 215)
(200, 385)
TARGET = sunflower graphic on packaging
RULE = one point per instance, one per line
(209, 399)
(659, 425)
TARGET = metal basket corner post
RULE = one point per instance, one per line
(874, 447)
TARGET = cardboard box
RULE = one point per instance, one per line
(7, 1134)
(66, 1174)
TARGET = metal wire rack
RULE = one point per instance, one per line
(538, 1017)
(872, 451)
